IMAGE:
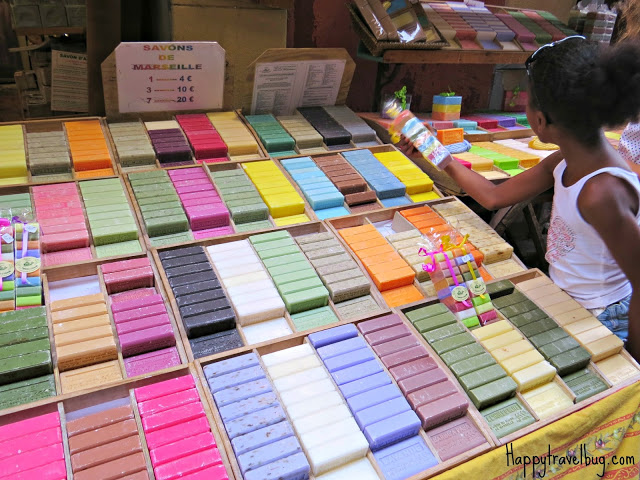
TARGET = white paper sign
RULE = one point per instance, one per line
(69, 87)
(168, 76)
(281, 87)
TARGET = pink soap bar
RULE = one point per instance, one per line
(395, 345)
(217, 472)
(29, 426)
(136, 303)
(164, 388)
(185, 172)
(190, 197)
(411, 369)
(487, 317)
(209, 198)
(190, 464)
(66, 256)
(151, 362)
(210, 160)
(125, 265)
(161, 404)
(56, 470)
(55, 229)
(138, 313)
(405, 356)
(203, 220)
(53, 222)
(195, 188)
(175, 416)
(33, 441)
(35, 458)
(129, 279)
(65, 241)
(133, 294)
(143, 323)
(212, 232)
(192, 181)
(177, 432)
(184, 447)
(47, 214)
(422, 380)
(144, 341)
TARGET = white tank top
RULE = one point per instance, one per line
(579, 261)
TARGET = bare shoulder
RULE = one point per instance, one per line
(607, 197)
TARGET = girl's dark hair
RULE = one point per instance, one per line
(582, 87)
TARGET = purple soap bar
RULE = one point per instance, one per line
(247, 406)
(431, 393)
(365, 384)
(411, 369)
(339, 348)
(395, 346)
(231, 365)
(236, 378)
(387, 335)
(381, 323)
(151, 362)
(392, 429)
(373, 397)
(422, 380)
(130, 315)
(333, 335)
(241, 392)
(405, 356)
(295, 467)
(405, 459)
(350, 359)
(352, 374)
(143, 323)
(261, 437)
(143, 341)
(269, 453)
(387, 409)
(255, 421)
(136, 303)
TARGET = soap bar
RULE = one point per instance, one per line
(533, 376)
(617, 369)
(547, 400)
(455, 438)
(584, 384)
(507, 417)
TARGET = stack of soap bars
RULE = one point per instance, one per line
(362, 135)
(132, 144)
(419, 185)
(446, 107)
(334, 135)
(273, 136)
(49, 155)
(13, 158)
(240, 143)
(28, 262)
(7, 272)
(307, 139)
(89, 151)
(169, 143)
(205, 140)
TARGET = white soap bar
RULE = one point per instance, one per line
(319, 420)
(287, 355)
(234, 271)
(303, 392)
(360, 470)
(265, 309)
(338, 452)
(343, 428)
(256, 296)
(219, 249)
(289, 368)
(161, 125)
(264, 331)
(240, 279)
(235, 261)
(250, 287)
(323, 402)
(289, 382)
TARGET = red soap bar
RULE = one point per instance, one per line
(137, 303)
(164, 388)
(187, 446)
(142, 324)
(387, 335)
(31, 425)
(125, 265)
(129, 279)
(191, 464)
(133, 294)
(35, 458)
(177, 432)
(143, 341)
(395, 345)
(138, 313)
(29, 442)
(408, 355)
(175, 400)
(441, 411)
(56, 470)
(411, 369)
(151, 362)
(422, 380)
(377, 324)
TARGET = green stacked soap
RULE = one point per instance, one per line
(241, 198)
(25, 351)
(254, 226)
(294, 277)
(483, 379)
(162, 213)
(133, 144)
(584, 384)
(27, 391)
(49, 154)
(318, 317)
(273, 136)
(18, 204)
(111, 220)
(500, 160)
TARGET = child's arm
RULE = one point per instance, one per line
(609, 205)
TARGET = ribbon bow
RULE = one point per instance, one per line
(25, 244)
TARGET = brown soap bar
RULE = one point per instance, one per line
(102, 436)
(456, 438)
(105, 453)
(86, 353)
(422, 380)
(84, 323)
(99, 420)
(83, 335)
(136, 476)
(442, 410)
(387, 335)
(90, 377)
(115, 469)
(360, 198)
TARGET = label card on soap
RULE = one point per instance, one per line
(169, 76)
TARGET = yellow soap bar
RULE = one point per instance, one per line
(548, 400)
(502, 340)
(593, 334)
(520, 362)
(581, 326)
(573, 316)
(509, 351)
(406, 171)
(440, 108)
(562, 307)
(553, 299)
(534, 283)
(283, 221)
(605, 347)
(617, 369)
(90, 377)
(543, 291)
(423, 197)
(533, 376)
(492, 330)
(504, 268)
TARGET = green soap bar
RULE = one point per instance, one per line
(164, 198)
(99, 198)
(512, 299)
(507, 417)
(25, 366)
(462, 353)
(471, 322)
(226, 173)
(121, 248)
(28, 301)
(295, 276)
(269, 237)
(506, 164)
(148, 174)
(236, 195)
(484, 308)
(528, 317)
(97, 184)
(8, 294)
(110, 215)
(289, 268)
(241, 202)
(318, 318)
(27, 391)
(112, 222)
(22, 314)
(332, 260)
(239, 190)
(249, 213)
(549, 336)
(539, 326)
(477, 301)
(278, 144)
(431, 323)
(493, 392)
(301, 301)
(163, 240)
(300, 285)
(559, 346)
(569, 362)
(451, 343)
(152, 207)
(285, 153)
(518, 308)
(443, 332)
(146, 190)
(16, 198)
(472, 364)
(166, 225)
(24, 348)
(114, 234)
(278, 252)
(482, 376)
(284, 260)
(253, 226)
(425, 312)
(164, 192)
(584, 384)
(263, 246)
(164, 213)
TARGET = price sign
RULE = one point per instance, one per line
(170, 76)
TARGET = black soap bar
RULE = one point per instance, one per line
(196, 288)
(216, 343)
(204, 307)
(210, 322)
(187, 260)
(500, 289)
(179, 252)
(188, 269)
(192, 278)
(199, 297)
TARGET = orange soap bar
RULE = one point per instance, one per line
(103, 172)
(396, 264)
(77, 302)
(86, 353)
(79, 313)
(377, 260)
(402, 296)
(410, 212)
(350, 232)
(394, 278)
(373, 242)
(90, 377)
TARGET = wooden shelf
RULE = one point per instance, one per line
(454, 57)
(49, 30)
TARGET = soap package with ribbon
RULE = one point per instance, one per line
(28, 282)
(7, 266)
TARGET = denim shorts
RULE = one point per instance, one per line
(616, 318)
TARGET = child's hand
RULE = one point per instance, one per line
(405, 146)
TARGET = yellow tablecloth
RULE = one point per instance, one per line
(608, 431)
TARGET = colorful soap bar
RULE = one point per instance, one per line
(205, 141)
(235, 134)
(88, 146)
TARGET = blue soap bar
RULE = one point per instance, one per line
(269, 453)
(231, 365)
(341, 347)
(440, 100)
(395, 202)
(356, 373)
(373, 397)
(294, 467)
(261, 437)
(247, 406)
(350, 359)
(319, 202)
(405, 459)
(333, 335)
(241, 392)
(233, 379)
(365, 384)
(392, 429)
(387, 409)
(326, 213)
(255, 421)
